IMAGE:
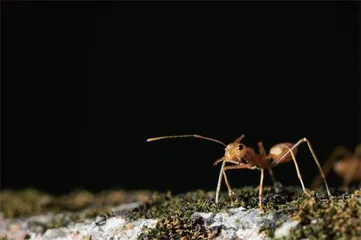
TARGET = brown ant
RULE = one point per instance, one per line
(345, 163)
(244, 157)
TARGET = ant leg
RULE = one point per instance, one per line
(318, 165)
(337, 153)
(230, 192)
(223, 168)
(277, 186)
(262, 151)
(261, 191)
(280, 159)
(220, 181)
(299, 174)
(240, 166)
(272, 176)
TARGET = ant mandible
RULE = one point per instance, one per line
(345, 163)
(244, 157)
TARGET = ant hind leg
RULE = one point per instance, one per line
(338, 152)
(276, 184)
(307, 192)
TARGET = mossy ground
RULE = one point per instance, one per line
(319, 216)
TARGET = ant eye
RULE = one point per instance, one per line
(240, 147)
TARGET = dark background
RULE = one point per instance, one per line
(84, 85)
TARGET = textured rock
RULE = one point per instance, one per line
(285, 228)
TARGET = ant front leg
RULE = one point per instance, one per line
(240, 166)
(218, 189)
(230, 192)
(260, 192)
(221, 174)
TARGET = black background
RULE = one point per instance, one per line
(84, 85)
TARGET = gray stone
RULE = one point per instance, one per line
(54, 234)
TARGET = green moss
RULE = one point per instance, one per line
(175, 212)
(322, 218)
(319, 216)
(184, 205)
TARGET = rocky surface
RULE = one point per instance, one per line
(289, 214)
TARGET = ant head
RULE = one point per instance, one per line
(235, 151)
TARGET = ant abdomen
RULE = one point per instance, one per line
(280, 150)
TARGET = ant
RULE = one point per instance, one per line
(244, 157)
(345, 163)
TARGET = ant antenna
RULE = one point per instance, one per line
(239, 139)
(185, 136)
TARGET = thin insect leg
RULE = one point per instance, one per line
(299, 174)
(240, 166)
(280, 159)
(318, 165)
(263, 153)
(272, 176)
(261, 191)
(338, 152)
(349, 175)
(277, 186)
(219, 181)
(230, 192)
